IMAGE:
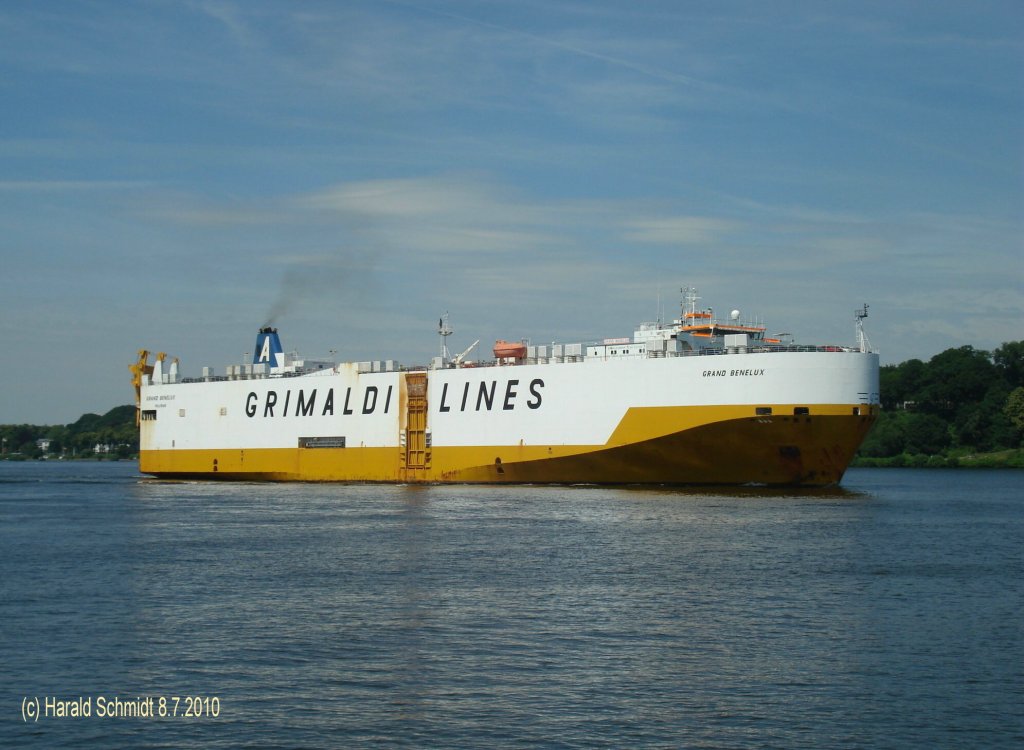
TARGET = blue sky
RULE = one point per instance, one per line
(173, 174)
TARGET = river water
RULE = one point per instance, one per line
(885, 614)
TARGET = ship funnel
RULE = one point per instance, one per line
(268, 348)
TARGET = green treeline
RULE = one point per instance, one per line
(945, 412)
(113, 435)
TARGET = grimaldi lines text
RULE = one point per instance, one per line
(693, 401)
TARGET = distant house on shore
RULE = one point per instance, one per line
(43, 444)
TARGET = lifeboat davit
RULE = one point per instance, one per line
(509, 349)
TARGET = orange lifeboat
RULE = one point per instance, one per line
(509, 349)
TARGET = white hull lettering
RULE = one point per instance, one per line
(304, 408)
(510, 395)
(535, 385)
(485, 396)
(370, 400)
(490, 395)
(305, 403)
(732, 373)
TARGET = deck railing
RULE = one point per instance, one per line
(703, 352)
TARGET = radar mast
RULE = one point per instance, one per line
(862, 338)
(444, 331)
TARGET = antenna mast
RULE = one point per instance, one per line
(689, 300)
(444, 331)
(862, 338)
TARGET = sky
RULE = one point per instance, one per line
(173, 175)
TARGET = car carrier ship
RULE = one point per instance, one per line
(692, 401)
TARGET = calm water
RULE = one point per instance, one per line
(886, 614)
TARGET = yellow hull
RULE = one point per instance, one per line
(657, 445)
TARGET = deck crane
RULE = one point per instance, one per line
(458, 360)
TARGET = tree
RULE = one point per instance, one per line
(901, 383)
(116, 428)
(899, 432)
(1014, 411)
(118, 417)
(86, 423)
(964, 397)
(1009, 361)
(926, 434)
(956, 377)
(886, 437)
(20, 438)
(984, 426)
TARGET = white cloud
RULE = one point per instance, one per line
(408, 199)
(441, 215)
(48, 186)
(678, 230)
